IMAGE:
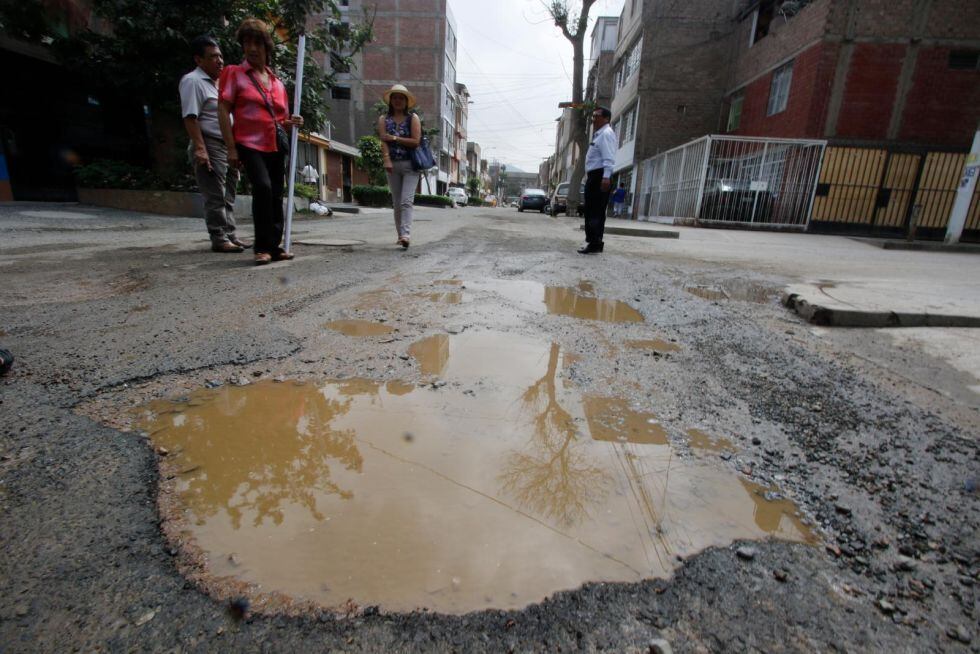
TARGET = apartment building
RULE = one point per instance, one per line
(473, 158)
(566, 149)
(414, 44)
(670, 69)
(599, 83)
(868, 71)
(459, 164)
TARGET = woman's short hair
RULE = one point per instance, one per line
(253, 28)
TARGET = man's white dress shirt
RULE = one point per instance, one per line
(602, 151)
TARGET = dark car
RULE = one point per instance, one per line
(533, 198)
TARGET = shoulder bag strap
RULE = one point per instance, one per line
(268, 106)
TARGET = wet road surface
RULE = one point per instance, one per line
(434, 450)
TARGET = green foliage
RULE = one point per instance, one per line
(106, 173)
(433, 200)
(473, 185)
(307, 191)
(146, 51)
(372, 160)
(474, 201)
(371, 196)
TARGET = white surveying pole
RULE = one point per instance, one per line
(964, 194)
(294, 135)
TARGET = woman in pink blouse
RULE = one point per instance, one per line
(252, 94)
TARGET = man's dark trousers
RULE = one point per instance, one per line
(596, 201)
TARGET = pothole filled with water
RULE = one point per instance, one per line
(558, 300)
(359, 327)
(493, 487)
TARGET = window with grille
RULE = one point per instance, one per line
(629, 64)
(779, 89)
(735, 112)
(625, 127)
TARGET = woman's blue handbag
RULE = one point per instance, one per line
(422, 155)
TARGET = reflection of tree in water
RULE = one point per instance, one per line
(274, 449)
(553, 476)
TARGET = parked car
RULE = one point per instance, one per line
(559, 200)
(533, 198)
(734, 200)
(459, 195)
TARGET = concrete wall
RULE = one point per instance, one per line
(167, 203)
(683, 72)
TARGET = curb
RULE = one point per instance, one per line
(829, 317)
(965, 248)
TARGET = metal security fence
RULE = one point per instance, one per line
(672, 181)
(733, 180)
(891, 192)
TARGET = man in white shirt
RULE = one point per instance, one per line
(215, 179)
(599, 162)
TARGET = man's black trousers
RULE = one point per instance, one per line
(596, 201)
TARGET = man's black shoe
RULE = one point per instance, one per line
(591, 249)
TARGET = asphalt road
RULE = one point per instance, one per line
(105, 310)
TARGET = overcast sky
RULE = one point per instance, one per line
(517, 67)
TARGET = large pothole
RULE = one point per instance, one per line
(493, 483)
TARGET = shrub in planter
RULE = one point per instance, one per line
(111, 174)
(371, 196)
(307, 191)
(433, 200)
(475, 201)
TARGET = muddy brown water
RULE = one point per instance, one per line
(557, 300)
(494, 490)
(359, 327)
(700, 440)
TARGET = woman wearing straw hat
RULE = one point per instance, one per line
(400, 131)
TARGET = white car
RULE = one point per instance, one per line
(459, 195)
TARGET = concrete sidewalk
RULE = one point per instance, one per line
(840, 281)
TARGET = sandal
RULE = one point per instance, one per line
(403, 242)
(282, 255)
(261, 258)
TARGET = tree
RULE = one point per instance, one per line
(473, 186)
(372, 160)
(574, 27)
(146, 50)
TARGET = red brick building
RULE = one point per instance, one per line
(857, 71)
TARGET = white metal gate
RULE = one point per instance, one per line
(733, 180)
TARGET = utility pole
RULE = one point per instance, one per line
(964, 194)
